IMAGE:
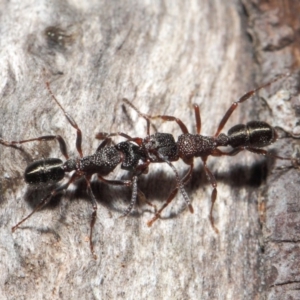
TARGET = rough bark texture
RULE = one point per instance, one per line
(155, 54)
(275, 32)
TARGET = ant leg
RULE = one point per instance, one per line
(115, 182)
(266, 153)
(213, 183)
(172, 195)
(10, 144)
(135, 191)
(180, 185)
(104, 135)
(46, 200)
(259, 151)
(296, 157)
(94, 214)
(70, 120)
(173, 119)
(163, 117)
(235, 151)
(179, 122)
(61, 141)
(106, 142)
(133, 196)
(133, 182)
(286, 133)
(141, 169)
(141, 196)
(197, 118)
(241, 100)
(146, 117)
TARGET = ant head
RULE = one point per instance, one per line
(163, 144)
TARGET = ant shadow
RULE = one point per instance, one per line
(156, 186)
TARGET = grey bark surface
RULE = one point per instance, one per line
(155, 54)
(275, 33)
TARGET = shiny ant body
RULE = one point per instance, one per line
(251, 136)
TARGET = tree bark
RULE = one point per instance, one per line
(157, 55)
(275, 33)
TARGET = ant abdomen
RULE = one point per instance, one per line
(255, 134)
(48, 170)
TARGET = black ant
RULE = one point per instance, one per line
(102, 162)
(251, 136)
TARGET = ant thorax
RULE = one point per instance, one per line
(195, 145)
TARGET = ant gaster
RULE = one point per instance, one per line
(251, 136)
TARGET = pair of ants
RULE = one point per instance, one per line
(136, 154)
